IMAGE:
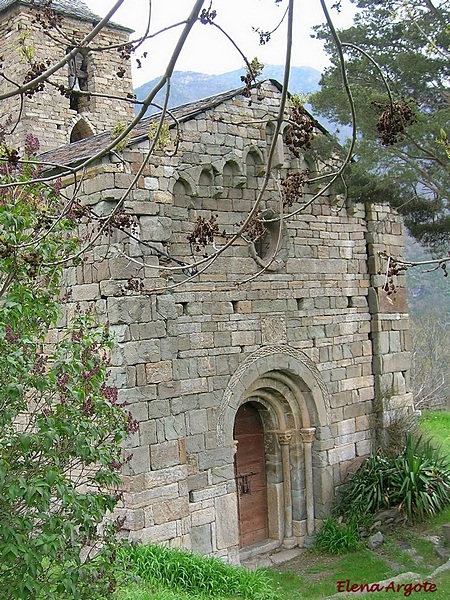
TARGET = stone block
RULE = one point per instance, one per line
(341, 453)
(276, 514)
(390, 363)
(394, 303)
(89, 291)
(363, 448)
(210, 492)
(157, 409)
(164, 455)
(227, 533)
(165, 307)
(139, 410)
(123, 268)
(216, 457)
(147, 432)
(164, 477)
(197, 481)
(346, 427)
(175, 428)
(203, 516)
(144, 351)
(362, 423)
(163, 197)
(159, 371)
(134, 519)
(148, 331)
(197, 422)
(129, 310)
(201, 539)
(137, 394)
(356, 383)
(139, 207)
(156, 533)
(139, 463)
(156, 229)
(170, 510)
(151, 183)
(149, 497)
(193, 386)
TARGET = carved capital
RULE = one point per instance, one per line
(284, 437)
(235, 446)
(308, 434)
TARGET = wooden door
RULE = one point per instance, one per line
(250, 473)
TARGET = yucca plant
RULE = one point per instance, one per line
(417, 481)
(369, 488)
(421, 480)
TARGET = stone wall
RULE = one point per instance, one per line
(47, 114)
(311, 340)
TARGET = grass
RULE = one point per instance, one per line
(363, 566)
(217, 581)
(436, 425)
(183, 574)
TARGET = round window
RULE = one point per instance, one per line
(270, 250)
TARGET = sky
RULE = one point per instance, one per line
(208, 51)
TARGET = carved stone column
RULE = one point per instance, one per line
(308, 435)
(284, 439)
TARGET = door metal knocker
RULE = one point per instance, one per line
(244, 483)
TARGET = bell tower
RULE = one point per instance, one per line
(80, 99)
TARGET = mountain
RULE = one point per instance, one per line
(187, 86)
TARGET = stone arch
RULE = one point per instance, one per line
(206, 177)
(183, 190)
(81, 130)
(270, 131)
(254, 162)
(273, 367)
(210, 182)
(231, 173)
(293, 404)
(183, 184)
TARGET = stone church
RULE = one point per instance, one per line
(259, 382)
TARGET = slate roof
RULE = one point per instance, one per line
(79, 151)
(74, 8)
(71, 8)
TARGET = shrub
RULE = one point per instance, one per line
(60, 425)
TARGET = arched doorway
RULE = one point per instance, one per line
(291, 400)
(250, 474)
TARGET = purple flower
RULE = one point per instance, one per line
(32, 145)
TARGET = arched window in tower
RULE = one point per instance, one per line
(77, 78)
(81, 131)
